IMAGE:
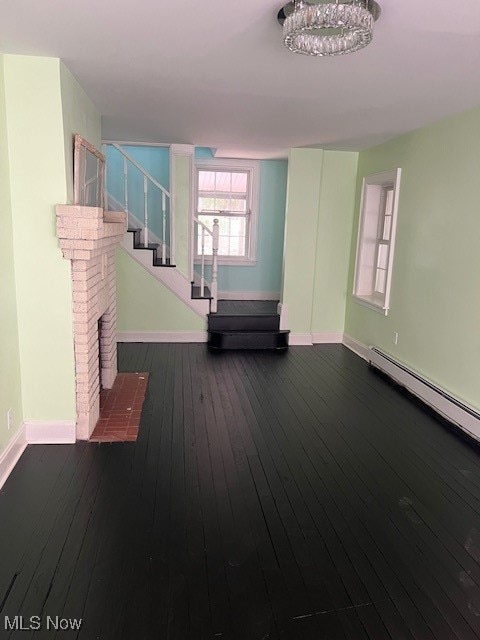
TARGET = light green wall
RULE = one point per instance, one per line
(144, 304)
(435, 299)
(320, 197)
(38, 182)
(79, 116)
(10, 379)
(38, 95)
(303, 202)
(182, 170)
(334, 233)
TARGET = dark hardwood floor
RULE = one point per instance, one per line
(291, 495)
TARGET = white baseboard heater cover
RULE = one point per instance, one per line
(446, 405)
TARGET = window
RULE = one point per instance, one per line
(376, 239)
(227, 190)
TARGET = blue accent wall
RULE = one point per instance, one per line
(266, 274)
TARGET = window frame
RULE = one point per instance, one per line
(373, 212)
(252, 167)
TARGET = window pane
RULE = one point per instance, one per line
(380, 281)
(223, 190)
(232, 235)
(387, 227)
(389, 202)
(239, 182)
(382, 256)
(206, 180)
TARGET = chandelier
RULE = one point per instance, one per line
(328, 28)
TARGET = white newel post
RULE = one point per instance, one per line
(202, 274)
(164, 227)
(125, 183)
(216, 233)
(145, 210)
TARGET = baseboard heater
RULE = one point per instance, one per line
(444, 404)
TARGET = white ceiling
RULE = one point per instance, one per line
(218, 75)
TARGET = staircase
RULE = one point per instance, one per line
(151, 223)
(246, 324)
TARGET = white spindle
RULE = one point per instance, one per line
(215, 239)
(202, 276)
(145, 210)
(125, 183)
(164, 228)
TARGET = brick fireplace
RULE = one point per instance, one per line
(88, 237)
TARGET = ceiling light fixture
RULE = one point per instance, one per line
(328, 28)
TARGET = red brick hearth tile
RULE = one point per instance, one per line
(121, 408)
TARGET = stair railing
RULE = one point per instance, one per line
(89, 174)
(200, 239)
(148, 182)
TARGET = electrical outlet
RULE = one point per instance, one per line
(395, 337)
(9, 419)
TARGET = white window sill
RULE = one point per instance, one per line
(244, 262)
(371, 303)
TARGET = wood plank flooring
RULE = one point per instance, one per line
(270, 495)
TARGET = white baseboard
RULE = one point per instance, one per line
(439, 399)
(327, 338)
(299, 339)
(444, 403)
(50, 432)
(249, 295)
(11, 454)
(356, 346)
(308, 339)
(162, 336)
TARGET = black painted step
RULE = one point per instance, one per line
(243, 322)
(248, 339)
(154, 247)
(196, 293)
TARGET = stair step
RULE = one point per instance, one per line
(157, 262)
(243, 322)
(196, 293)
(248, 339)
(152, 246)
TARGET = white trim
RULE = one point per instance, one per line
(249, 295)
(356, 346)
(162, 336)
(370, 303)
(300, 339)
(327, 338)
(229, 262)
(182, 149)
(444, 403)
(282, 310)
(309, 339)
(44, 432)
(129, 143)
(11, 454)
